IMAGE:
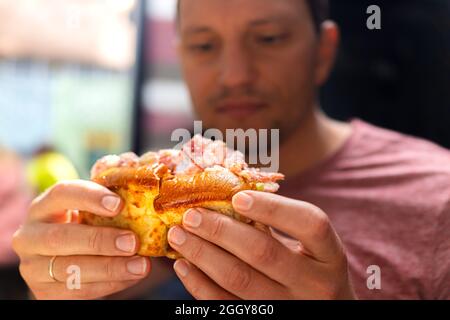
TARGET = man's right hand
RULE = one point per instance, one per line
(106, 256)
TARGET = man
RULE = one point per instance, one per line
(359, 198)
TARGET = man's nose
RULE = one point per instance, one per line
(237, 69)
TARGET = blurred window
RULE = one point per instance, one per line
(66, 77)
(165, 99)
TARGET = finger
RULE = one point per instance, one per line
(298, 219)
(90, 269)
(227, 271)
(74, 239)
(290, 243)
(61, 291)
(198, 284)
(75, 195)
(258, 249)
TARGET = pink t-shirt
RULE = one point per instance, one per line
(388, 198)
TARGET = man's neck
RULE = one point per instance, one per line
(316, 139)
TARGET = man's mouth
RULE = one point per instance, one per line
(239, 109)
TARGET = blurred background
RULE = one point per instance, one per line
(81, 79)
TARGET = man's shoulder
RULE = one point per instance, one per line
(420, 170)
(414, 169)
(401, 149)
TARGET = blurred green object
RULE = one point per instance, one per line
(47, 169)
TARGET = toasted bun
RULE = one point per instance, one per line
(155, 200)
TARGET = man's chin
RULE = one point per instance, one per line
(244, 125)
(253, 122)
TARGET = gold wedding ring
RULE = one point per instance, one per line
(51, 268)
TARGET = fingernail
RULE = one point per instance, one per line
(177, 236)
(181, 268)
(137, 266)
(111, 203)
(242, 201)
(126, 243)
(192, 218)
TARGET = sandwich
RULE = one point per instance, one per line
(159, 187)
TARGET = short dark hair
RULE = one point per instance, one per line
(319, 11)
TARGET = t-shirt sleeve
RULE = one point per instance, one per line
(441, 261)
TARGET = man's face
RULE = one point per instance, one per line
(249, 63)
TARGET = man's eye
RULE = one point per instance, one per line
(203, 47)
(271, 39)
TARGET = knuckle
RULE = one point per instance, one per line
(197, 252)
(55, 237)
(57, 190)
(17, 241)
(28, 271)
(24, 269)
(271, 206)
(320, 224)
(239, 278)
(265, 252)
(108, 269)
(95, 240)
(34, 203)
(217, 227)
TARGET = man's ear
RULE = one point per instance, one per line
(327, 51)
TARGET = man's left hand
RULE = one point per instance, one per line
(227, 259)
